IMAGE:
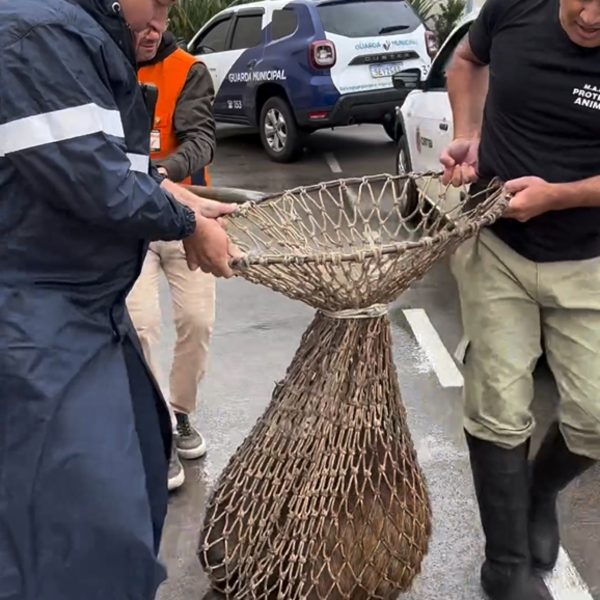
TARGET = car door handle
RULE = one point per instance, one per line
(444, 126)
(252, 63)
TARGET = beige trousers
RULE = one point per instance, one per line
(512, 310)
(193, 298)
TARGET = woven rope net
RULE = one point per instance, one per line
(325, 499)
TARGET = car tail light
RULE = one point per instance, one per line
(322, 54)
(317, 116)
(431, 42)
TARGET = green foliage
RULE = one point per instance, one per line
(447, 18)
(424, 9)
(187, 16)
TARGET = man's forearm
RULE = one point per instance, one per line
(583, 193)
(180, 195)
(467, 89)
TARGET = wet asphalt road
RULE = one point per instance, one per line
(256, 334)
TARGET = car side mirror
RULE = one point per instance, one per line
(407, 80)
(203, 50)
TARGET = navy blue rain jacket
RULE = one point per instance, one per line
(84, 434)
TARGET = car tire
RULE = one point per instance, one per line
(391, 129)
(279, 132)
(403, 167)
(403, 162)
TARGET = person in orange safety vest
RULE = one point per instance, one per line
(182, 146)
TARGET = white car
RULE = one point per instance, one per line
(424, 120)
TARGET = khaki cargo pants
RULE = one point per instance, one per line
(193, 298)
(509, 305)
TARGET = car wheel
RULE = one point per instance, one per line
(391, 129)
(279, 133)
(410, 201)
(403, 163)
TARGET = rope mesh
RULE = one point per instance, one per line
(325, 499)
(355, 242)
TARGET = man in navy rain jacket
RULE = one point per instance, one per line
(84, 437)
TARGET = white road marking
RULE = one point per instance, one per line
(334, 165)
(565, 582)
(444, 366)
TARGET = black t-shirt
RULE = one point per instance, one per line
(541, 118)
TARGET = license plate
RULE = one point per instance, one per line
(385, 69)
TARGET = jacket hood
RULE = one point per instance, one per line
(167, 46)
(107, 13)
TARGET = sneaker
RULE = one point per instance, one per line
(176, 472)
(190, 443)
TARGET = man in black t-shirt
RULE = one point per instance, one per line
(525, 94)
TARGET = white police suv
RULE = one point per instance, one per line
(290, 67)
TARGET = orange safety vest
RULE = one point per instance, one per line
(169, 76)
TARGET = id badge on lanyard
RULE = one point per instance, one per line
(155, 140)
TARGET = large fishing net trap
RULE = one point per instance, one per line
(325, 499)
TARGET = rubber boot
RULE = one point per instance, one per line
(554, 467)
(501, 478)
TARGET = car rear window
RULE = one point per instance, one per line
(284, 23)
(368, 18)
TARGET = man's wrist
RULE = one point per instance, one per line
(471, 135)
(191, 210)
(191, 221)
(566, 195)
(168, 185)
